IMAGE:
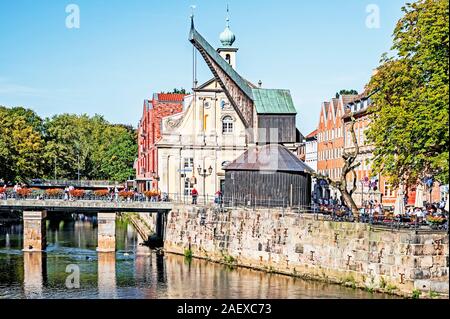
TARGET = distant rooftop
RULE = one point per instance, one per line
(270, 157)
(312, 134)
(170, 97)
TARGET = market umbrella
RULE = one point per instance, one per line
(400, 203)
(419, 196)
(446, 203)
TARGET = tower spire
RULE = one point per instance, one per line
(228, 16)
(227, 37)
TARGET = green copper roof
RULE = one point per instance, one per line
(273, 101)
(202, 44)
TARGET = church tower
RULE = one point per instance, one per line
(227, 38)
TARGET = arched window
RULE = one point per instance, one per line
(227, 125)
(228, 58)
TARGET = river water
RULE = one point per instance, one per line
(134, 272)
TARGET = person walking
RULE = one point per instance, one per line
(218, 198)
(194, 196)
(66, 193)
(71, 189)
(15, 190)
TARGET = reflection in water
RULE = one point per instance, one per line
(7, 242)
(35, 269)
(107, 275)
(134, 271)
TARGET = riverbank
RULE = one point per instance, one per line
(405, 263)
(130, 274)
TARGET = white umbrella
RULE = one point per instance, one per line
(446, 203)
(400, 203)
(419, 196)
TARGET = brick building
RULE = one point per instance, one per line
(368, 187)
(382, 192)
(149, 132)
(330, 143)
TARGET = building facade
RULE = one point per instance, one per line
(311, 150)
(149, 132)
(330, 143)
(220, 120)
(370, 187)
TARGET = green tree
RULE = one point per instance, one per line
(21, 144)
(346, 92)
(63, 136)
(177, 91)
(410, 129)
(119, 154)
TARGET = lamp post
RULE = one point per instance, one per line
(362, 192)
(203, 172)
(78, 163)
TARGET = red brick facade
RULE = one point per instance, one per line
(149, 133)
(385, 192)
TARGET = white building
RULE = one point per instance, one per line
(221, 119)
(207, 135)
(311, 150)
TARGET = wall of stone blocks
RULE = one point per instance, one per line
(397, 261)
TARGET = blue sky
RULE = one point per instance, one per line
(124, 51)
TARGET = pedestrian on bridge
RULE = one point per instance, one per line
(66, 193)
(194, 196)
(116, 194)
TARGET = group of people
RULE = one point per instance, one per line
(218, 197)
(3, 192)
(15, 191)
(373, 211)
(68, 193)
(422, 213)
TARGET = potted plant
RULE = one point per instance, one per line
(77, 193)
(54, 192)
(101, 193)
(24, 192)
(126, 195)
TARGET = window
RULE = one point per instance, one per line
(188, 186)
(189, 162)
(227, 125)
(388, 191)
(228, 58)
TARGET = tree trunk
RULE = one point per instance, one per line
(349, 167)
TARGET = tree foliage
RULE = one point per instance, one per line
(346, 92)
(21, 144)
(410, 128)
(65, 144)
(177, 91)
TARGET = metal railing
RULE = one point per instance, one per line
(223, 203)
(74, 183)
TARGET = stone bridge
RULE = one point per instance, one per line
(35, 213)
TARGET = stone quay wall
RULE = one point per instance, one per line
(402, 262)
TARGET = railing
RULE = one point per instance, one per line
(224, 203)
(74, 183)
